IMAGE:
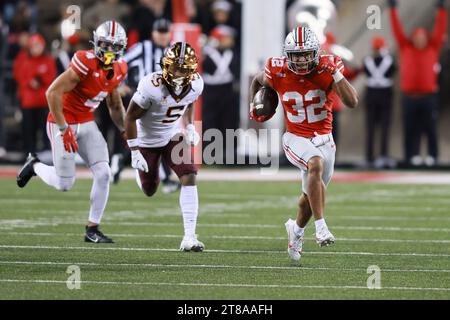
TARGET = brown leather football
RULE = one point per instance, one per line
(267, 100)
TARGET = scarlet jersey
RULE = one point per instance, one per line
(80, 103)
(307, 100)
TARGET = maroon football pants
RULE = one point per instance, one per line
(150, 180)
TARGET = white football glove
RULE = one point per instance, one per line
(138, 161)
(192, 136)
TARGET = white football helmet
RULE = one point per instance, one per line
(110, 40)
(301, 49)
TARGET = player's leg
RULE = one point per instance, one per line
(297, 150)
(168, 185)
(328, 150)
(93, 150)
(187, 172)
(61, 176)
(304, 212)
(148, 181)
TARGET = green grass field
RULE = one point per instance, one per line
(403, 229)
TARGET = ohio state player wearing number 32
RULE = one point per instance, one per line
(93, 75)
(304, 80)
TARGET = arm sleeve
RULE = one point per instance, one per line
(440, 27)
(397, 28)
(143, 96)
(79, 64)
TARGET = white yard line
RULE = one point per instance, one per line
(344, 253)
(220, 285)
(177, 236)
(15, 223)
(212, 266)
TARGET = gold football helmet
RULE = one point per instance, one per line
(179, 64)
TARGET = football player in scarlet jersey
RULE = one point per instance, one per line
(93, 75)
(305, 80)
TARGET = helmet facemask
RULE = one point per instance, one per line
(301, 48)
(179, 64)
(302, 62)
(109, 42)
(109, 52)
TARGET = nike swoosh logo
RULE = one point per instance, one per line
(93, 240)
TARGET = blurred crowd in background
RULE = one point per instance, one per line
(36, 45)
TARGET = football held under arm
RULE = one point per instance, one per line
(258, 82)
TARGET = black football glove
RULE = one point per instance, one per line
(440, 3)
(392, 3)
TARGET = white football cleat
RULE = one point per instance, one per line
(324, 237)
(295, 243)
(191, 244)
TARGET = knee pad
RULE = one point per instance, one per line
(65, 184)
(101, 172)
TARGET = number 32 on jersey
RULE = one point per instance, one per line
(314, 112)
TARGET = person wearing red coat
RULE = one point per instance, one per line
(419, 69)
(34, 71)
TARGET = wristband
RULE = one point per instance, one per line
(133, 143)
(63, 127)
(338, 76)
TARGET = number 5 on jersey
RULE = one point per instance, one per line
(95, 101)
(173, 114)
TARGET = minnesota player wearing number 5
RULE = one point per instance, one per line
(153, 125)
(93, 75)
(304, 80)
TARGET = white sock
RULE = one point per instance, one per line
(99, 191)
(47, 174)
(297, 230)
(320, 224)
(189, 208)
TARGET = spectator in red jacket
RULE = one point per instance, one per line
(419, 68)
(34, 70)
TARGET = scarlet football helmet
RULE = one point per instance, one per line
(301, 49)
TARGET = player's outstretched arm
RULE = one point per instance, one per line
(66, 82)
(116, 109)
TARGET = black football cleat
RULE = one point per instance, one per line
(96, 236)
(27, 171)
